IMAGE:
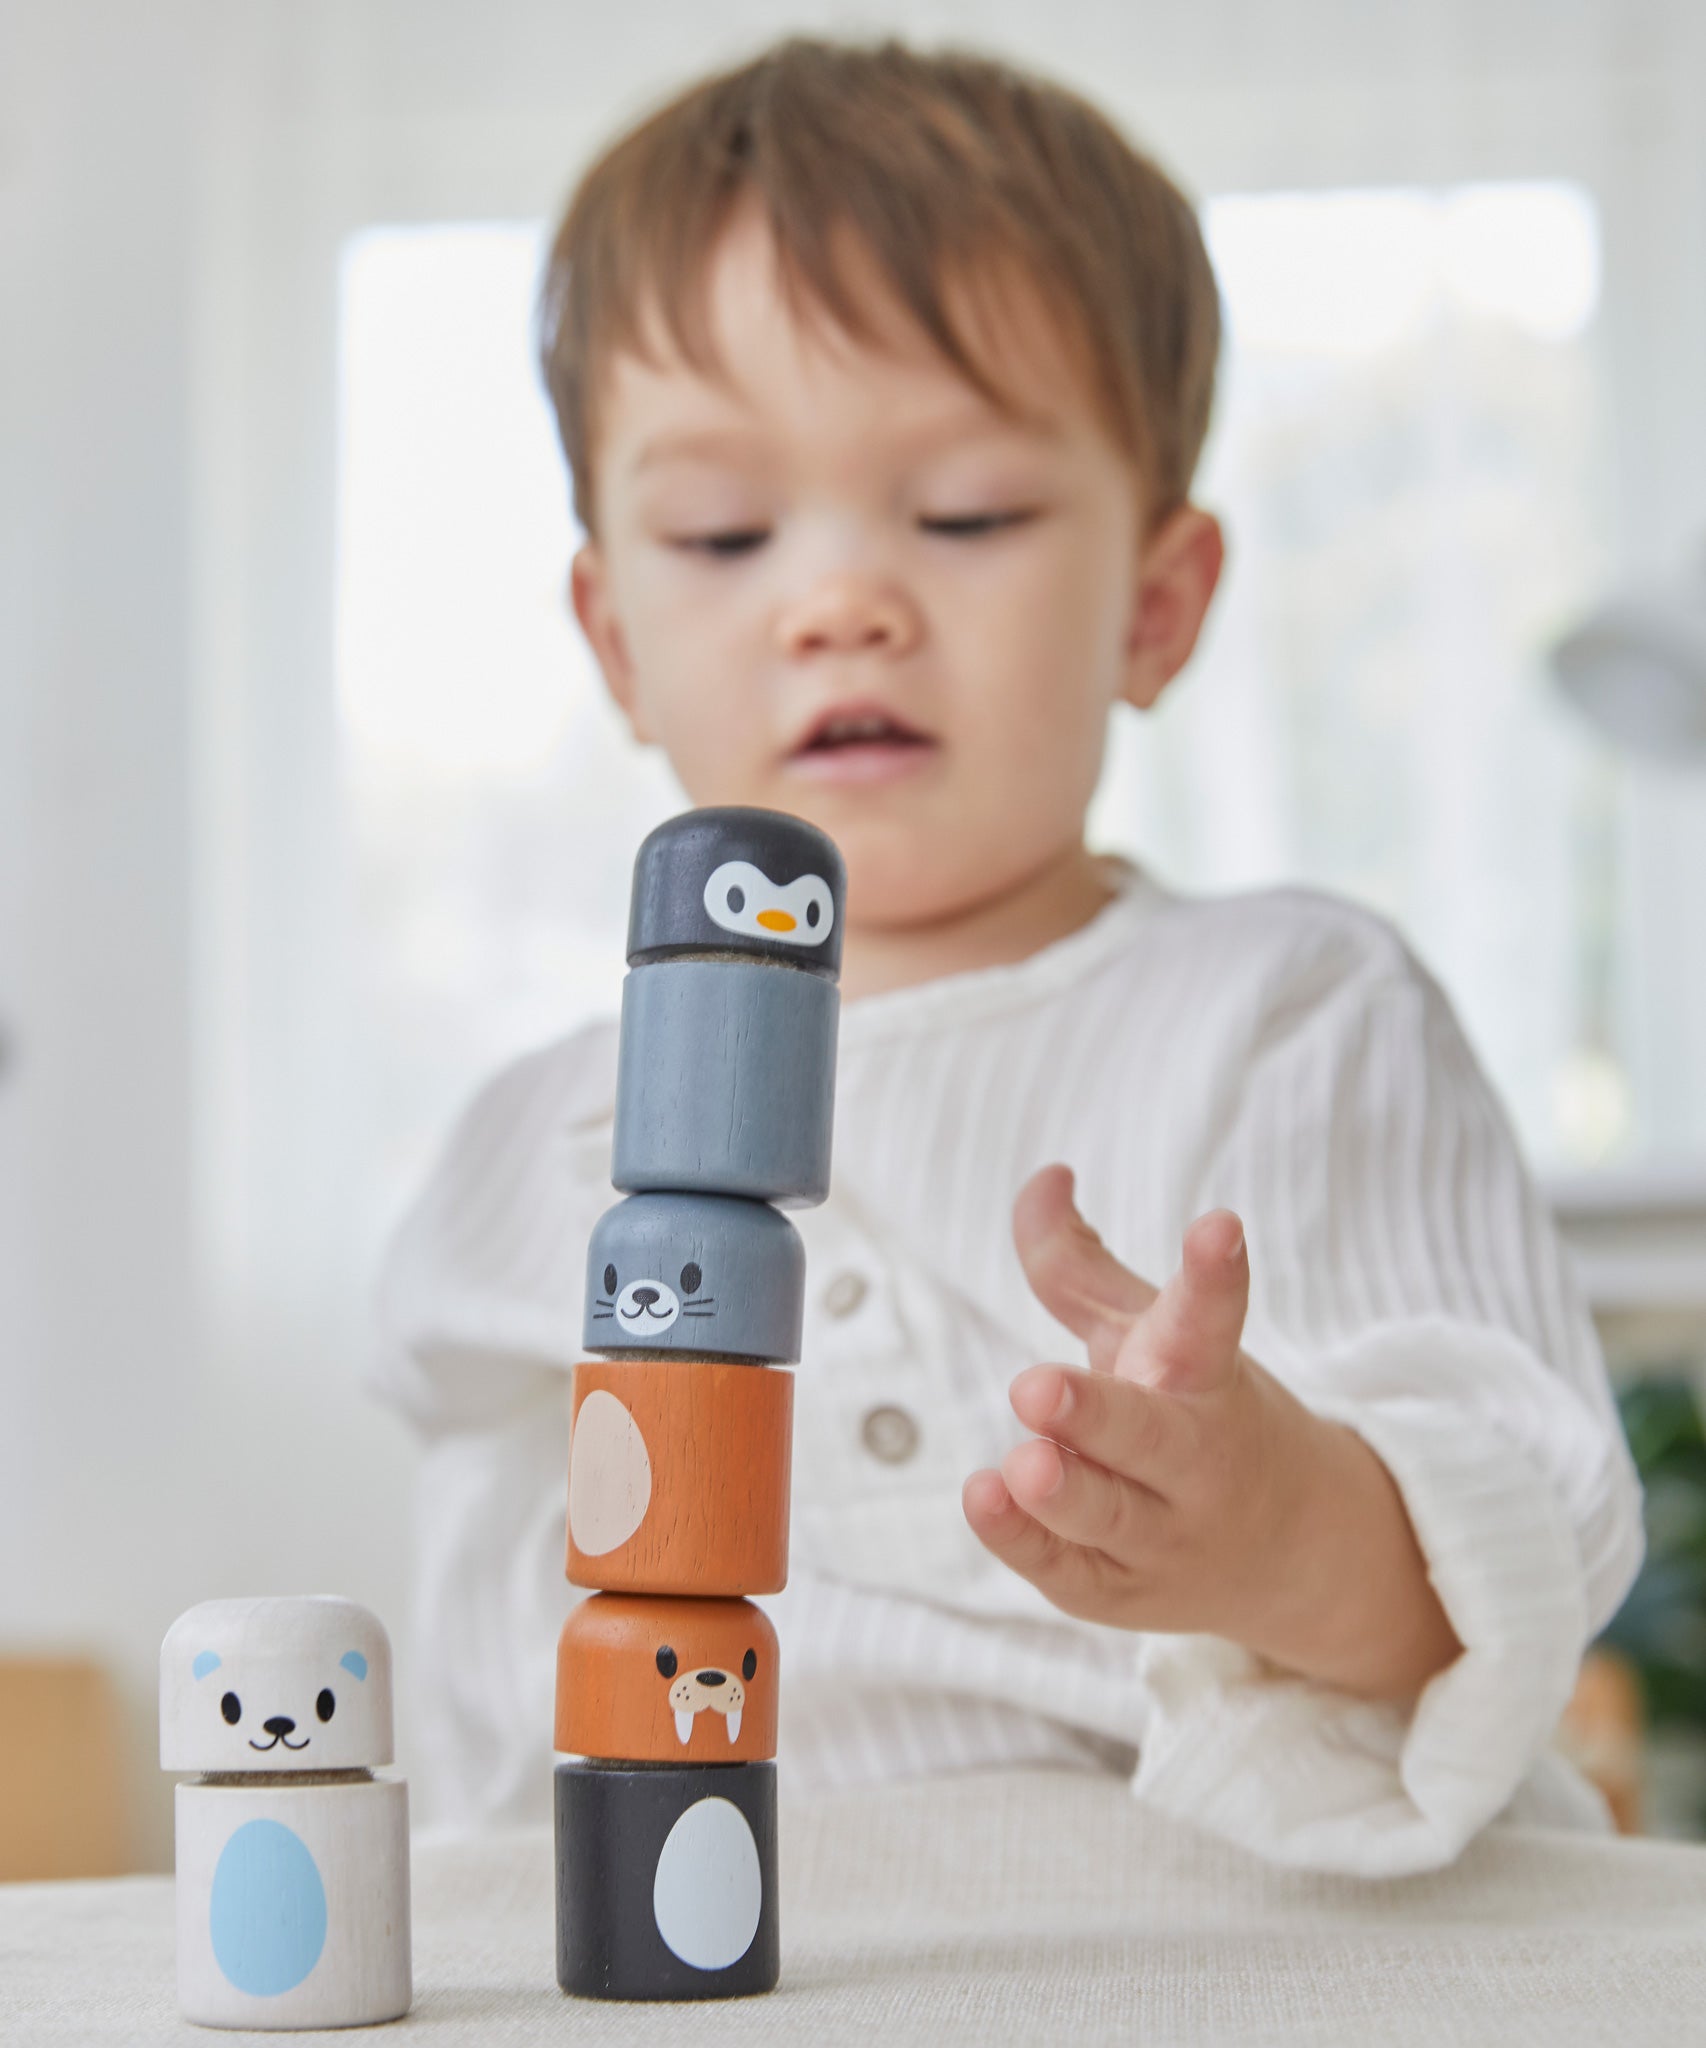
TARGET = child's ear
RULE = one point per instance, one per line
(1176, 579)
(590, 594)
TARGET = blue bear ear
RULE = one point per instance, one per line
(206, 1662)
(354, 1661)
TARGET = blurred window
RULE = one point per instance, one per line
(1408, 457)
(495, 799)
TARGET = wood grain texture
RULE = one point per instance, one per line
(733, 879)
(709, 1274)
(666, 1882)
(667, 1681)
(725, 1081)
(694, 1461)
(293, 1903)
(63, 1808)
(295, 1682)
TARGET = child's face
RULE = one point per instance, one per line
(778, 595)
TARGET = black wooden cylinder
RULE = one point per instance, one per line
(666, 1881)
(736, 880)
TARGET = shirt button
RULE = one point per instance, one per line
(889, 1434)
(844, 1294)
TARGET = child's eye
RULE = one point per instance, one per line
(738, 543)
(967, 524)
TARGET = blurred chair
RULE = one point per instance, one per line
(63, 1810)
(1636, 668)
(1602, 1732)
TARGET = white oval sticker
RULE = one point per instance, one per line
(709, 1891)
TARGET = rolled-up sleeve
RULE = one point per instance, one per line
(481, 1292)
(480, 1325)
(1407, 1282)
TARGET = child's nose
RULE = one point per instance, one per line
(850, 614)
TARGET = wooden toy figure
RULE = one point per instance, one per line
(667, 1681)
(672, 1877)
(679, 1477)
(681, 1437)
(679, 1481)
(696, 1273)
(725, 1075)
(292, 1857)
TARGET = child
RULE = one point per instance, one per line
(882, 378)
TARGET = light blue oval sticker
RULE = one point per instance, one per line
(268, 1913)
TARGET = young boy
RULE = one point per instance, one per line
(882, 378)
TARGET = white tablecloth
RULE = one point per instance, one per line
(1019, 1908)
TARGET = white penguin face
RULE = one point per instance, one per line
(299, 1684)
(647, 1305)
(742, 898)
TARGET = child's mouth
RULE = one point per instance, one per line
(860, 745)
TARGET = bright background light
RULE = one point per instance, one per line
(1528, 254)
(1324, 274)
(1404, 455)
(452, 641)
(1353, 273)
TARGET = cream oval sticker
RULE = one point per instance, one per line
(610, 1476)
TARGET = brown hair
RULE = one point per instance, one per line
(940, 164)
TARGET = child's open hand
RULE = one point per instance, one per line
(1176, 1486)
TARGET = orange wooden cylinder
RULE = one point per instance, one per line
(679, 1477)
(667, 1681)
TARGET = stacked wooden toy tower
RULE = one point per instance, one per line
(682, 1435)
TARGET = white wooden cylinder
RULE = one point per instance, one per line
(293, 1903)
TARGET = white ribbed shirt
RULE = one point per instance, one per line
(1277, 1053)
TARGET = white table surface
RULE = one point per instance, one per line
(1022, 1907)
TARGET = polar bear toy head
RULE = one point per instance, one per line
(299, 1684)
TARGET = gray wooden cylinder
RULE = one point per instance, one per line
(726, 1081)
(703, 1273)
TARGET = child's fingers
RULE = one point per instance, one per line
(1126, 1427)
(1070, 1271)
(1188, 1341)
(1079, 1502)
(1078, 1581)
